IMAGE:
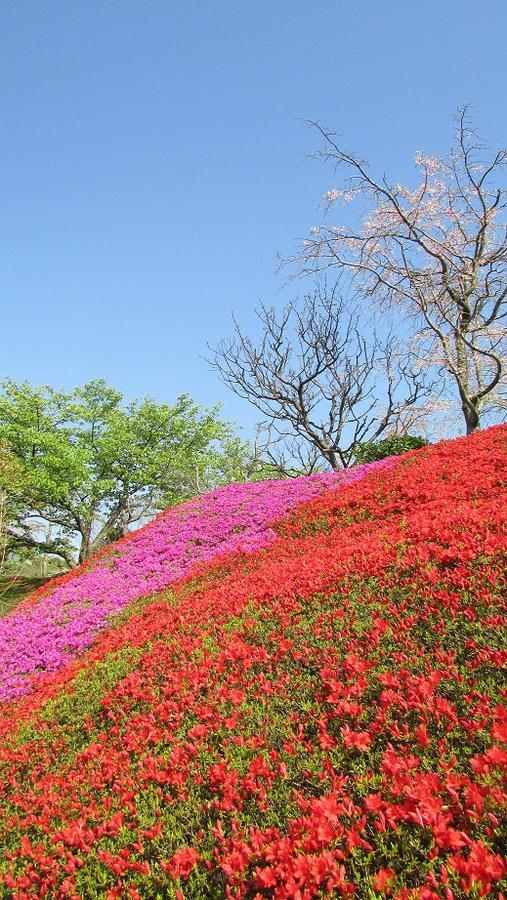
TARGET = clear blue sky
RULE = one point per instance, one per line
(154, 162)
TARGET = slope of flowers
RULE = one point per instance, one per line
(42, 636)
(323, 717)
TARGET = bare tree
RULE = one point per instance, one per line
(438, 253)
(320, 381)
(281, 453)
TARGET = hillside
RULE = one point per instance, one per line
(288, 689)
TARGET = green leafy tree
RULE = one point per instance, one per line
(393, 446)
(93, 466)
(10, 479)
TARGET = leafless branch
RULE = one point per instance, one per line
(437, 252)
(319, 381)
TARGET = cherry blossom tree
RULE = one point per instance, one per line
(435, 254)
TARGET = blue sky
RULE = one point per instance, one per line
(155, 161)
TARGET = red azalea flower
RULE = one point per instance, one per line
(383, 880)
(360, 740)
(181, 863)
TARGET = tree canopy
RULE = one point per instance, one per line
(92, 466)
(10, 481)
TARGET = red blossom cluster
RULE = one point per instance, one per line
(324, 717)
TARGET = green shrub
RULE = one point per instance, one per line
(375, 450)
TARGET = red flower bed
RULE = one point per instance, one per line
(324, 717)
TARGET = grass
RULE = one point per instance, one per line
(13, 588)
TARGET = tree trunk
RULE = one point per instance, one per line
(332, 458)
(84, 550)
(469, 403)
(472, 417)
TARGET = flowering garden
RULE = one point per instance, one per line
(289, 689)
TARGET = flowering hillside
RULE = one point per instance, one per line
(289, 689)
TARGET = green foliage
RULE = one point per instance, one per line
(13, 589)
(245, 462)
(372, 451)
(90, 466)
(10, 480)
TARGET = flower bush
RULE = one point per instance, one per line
(319, 713)
(43, 636)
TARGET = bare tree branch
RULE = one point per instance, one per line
(438, 253)
(319, 381)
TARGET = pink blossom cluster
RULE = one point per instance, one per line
(42, 637)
